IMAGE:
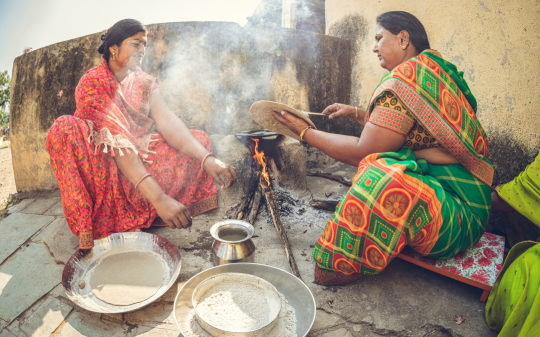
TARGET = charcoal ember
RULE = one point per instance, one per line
(301, 211)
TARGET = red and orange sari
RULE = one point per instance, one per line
(98, 200)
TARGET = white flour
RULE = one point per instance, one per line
(234, 306)
(285, 325)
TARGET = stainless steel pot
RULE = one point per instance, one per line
(233, 242)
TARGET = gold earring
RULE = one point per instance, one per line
(113, 56)
(403, 47)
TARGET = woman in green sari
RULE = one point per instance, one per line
(513, 307)
(423, 178)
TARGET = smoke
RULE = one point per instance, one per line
(211, 72)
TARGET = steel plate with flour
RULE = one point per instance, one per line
(127, 278)
(142, 266)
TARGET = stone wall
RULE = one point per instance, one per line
(210, 74)
(496, 44)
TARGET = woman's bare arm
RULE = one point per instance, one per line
(338, 110)
(351, 150)
(169, 210)
(347, 149)
(176, 134)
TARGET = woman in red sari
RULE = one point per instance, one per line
(125, 158)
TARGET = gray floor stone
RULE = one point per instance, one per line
(154, 315)
(46, 230)
(58, 292)
(144, 331)
(56, 210)
(61, 242)
(47, 318)
(16, 229)
(20, 206)
(6, 333)
(25, 278)
(14, 328)
(86, 324)
(337, 333)
(325, 320)
(40, 206)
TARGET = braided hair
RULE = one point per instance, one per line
(118, 33)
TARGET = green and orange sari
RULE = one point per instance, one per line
(396, 200)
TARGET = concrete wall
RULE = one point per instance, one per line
(210, 74)
(496, 43)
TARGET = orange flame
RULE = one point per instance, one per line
(261, 159)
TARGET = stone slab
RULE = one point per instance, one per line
(337, 333)
(20, 206)
(47, 318)
(325, 320)
(16, 229)
(157, 314)
(145, 331)
(56, 210)
(6, 333)
(25, 278)
(61, 242)
(58, 292)
(40, 206)
(86, 324)
(46, 230)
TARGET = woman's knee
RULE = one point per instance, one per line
(62, 128)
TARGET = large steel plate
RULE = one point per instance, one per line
(297, 293)
(80, 267)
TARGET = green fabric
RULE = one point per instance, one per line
(523, 193)
(438, 97)
(466, 209)
(456, 75)
(513, 307)
(397, 200)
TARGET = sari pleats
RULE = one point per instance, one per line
(396, 200)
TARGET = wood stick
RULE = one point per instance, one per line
(331, 176)
(232, 209)
(243, 210)
(316, 113)
(272, 203)
(327, 205)
(255, 208)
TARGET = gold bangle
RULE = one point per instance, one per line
(302, 141)
(356, 118)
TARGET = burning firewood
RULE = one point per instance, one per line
(256, 205)
(272, 205)
(243, 211)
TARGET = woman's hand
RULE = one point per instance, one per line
(290, 121)
(172, 212)
(338, 110)
(216, 167)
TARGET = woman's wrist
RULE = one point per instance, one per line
(151, 190)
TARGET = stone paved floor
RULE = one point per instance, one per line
(404, 300)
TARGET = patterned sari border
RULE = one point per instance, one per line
(203, 205)
(437, 126)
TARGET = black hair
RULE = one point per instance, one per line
(118, 33)
(397, 21)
